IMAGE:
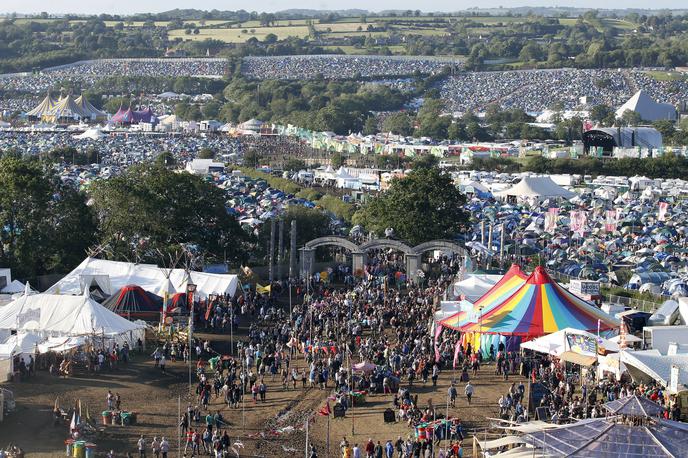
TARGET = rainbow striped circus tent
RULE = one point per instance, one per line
(541, 306)
(512, 280)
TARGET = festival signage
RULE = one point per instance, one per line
(585, 289)
(581, 344)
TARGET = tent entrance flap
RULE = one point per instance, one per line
(577, 358)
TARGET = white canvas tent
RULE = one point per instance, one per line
(556, 343)
(536, 187)
(652, 365)
(13, 288)
(58, 315)
(147, 276)
(449, 308)
(24, 343)
(475, 286)
(18, 345)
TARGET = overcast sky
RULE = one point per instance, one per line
(139, 6)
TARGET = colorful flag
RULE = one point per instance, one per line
(325, 411)
(263, 289)
(610, 221)
(578, 221)
(551, 220)
(663, 207)
(457, 349)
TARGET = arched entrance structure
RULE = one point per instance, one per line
(412, 255)
(308, 252)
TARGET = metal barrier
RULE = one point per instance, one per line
(638, 304)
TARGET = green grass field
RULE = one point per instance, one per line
(236, 36)
(667, 76)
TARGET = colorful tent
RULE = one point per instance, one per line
(89, 109)
(512, 280)
(177, 303)
(133, 301)
(541, 306)
(130, 116)
(123, 116)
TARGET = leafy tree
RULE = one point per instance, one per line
(206, 153)
(423, 206)
(630, 118)
(430, 121)
(211, 110)
(600, 113)
(150, 209)
(370, 126)
(337, 207)
(166, 159)
(294, 165)
(252, 158)
(426, 161)
(666, 128)
(398, 123)
(337, 160)
(45, 226)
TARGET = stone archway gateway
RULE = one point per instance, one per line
(412, 255)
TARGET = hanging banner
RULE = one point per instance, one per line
(579, 220)
(610, 221)
(551, 220)
(663, 208)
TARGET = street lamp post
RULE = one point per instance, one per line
(190, 290)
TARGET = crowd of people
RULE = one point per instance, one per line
(91, 71)
(340, 66)
(539, 90)
(21, 92)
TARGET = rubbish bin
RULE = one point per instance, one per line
(107, 417)
(90, 450)
(69, 444)
(79, 449)
(127, 418)
(115, 417)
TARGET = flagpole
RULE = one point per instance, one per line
(306, 453)
(179, 426)
(328, 434)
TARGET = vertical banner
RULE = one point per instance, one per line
(457, 349)
(663, 207)
(551, 220)
(578, 222)
(610, 221)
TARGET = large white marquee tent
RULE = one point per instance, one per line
(110, 276)
(52, 315)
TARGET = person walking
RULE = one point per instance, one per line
(452, 393)
(469, 392)
(142, 447)
(164, 447)
(389, 449)
(155, 446)
(162, 364)
(370, 448)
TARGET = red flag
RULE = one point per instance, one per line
(207, 311)
(325, 411)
